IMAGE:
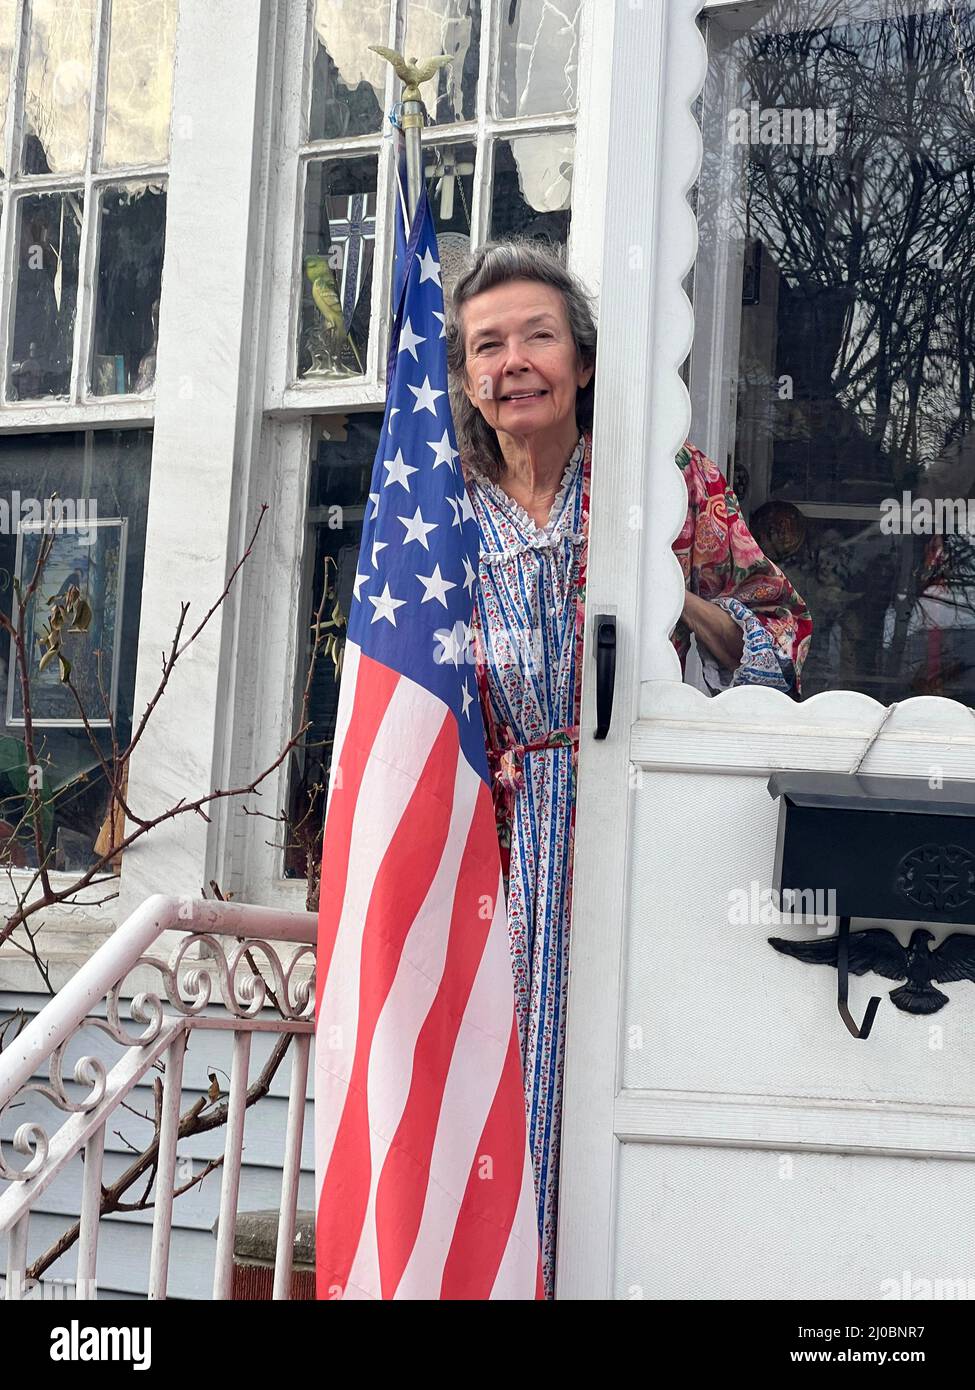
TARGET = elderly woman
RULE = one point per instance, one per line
(521, 349)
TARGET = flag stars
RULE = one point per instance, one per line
(443, 323)
(462, 509)
(408, 340)
(399, 470)
(429, 268)
(468, 700)
(436, 586)
(468, 575)
(426, 397)
(374, 499)
(376, 547)
(417, 529)
(385, 605)
(451, 647)
(443, 451)
(357, 585)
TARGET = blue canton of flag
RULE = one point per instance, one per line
(418, 557)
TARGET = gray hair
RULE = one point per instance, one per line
(495, 263)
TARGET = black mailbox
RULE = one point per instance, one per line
(887, 847)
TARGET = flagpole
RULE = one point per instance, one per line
(413, 116)
(412, 121)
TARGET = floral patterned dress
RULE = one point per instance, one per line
(528, 625)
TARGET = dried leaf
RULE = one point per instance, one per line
(81, 618)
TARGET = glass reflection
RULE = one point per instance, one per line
(338, 244)
(103, 474)
(538, 54)
(451, 27)
(47, 293)
(8, 21)
(58, 89)
(133, 225)
(848, 240)
(343, 451)
(449, 174)
(348, 81)
(532, 187)
(140, 82)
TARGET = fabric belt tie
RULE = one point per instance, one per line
(508, 764)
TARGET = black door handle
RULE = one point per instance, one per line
(605, 671)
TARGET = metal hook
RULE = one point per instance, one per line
(843, 985)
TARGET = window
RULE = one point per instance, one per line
(342, 453)
(832, 375)
(498, 160)
(86, 134)
(498, 152)
(85, 97)
(102, 476)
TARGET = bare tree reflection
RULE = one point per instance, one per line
(870, 249)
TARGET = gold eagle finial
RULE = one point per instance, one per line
(411, 73)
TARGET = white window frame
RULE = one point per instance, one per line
(207, 479)
(79, 409)
(287, 395)
(95, 911)
(272, 706)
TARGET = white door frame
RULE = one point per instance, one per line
(640, 421)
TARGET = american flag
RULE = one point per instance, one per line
(423, 1171)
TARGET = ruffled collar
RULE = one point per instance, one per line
(524, 521)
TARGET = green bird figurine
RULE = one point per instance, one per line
(324, 292)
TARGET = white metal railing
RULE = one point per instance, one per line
(257, 957)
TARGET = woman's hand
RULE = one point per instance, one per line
(715, 628)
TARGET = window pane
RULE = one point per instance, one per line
(101, 476)
(58, 86)
(449, 172)
(837, 216)
(133, 225)
(49, 236)
(140, 82)
(339, 237)
(343, 451)
(348, 81)
(538, 53)
(451, 27)
(533, 187)
(8, 22)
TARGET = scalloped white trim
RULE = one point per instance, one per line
(663, 693)
(678, 149)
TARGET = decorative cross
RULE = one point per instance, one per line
(446, 169)
(357, 225)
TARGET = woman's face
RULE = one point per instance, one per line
(521, 361)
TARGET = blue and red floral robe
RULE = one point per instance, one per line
(528, 626)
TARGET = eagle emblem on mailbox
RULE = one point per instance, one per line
(879, 951)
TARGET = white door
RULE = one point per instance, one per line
(724, 1135)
